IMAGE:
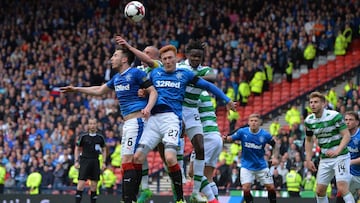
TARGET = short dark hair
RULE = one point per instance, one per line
(127, 53)
(196, 44)
(354, 114)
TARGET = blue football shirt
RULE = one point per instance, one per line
(171, 89)
(253, 148)
(126, 86)
(354, 149)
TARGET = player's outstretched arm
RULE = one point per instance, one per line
(93, 90)
(216, 91)
(141, 55)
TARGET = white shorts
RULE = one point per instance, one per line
(132, 131)
(354, 184)
(264, 176)
(213, 145)
(192, 121)
(338, 166)
(162, 127)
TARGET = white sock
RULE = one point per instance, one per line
(198, 174)
(214, 188)
(348, 198)
(206, 189)
(145, 176)
(322, 199)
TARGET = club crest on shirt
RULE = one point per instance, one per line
(179, 75)
(356, 141)
(128, 77)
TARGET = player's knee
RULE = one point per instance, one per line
(270, 187)
(139, 157)
(342, 188)
(170, 160)
(127, 158)
(320, 192)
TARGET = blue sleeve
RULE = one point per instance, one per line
(110, 83)
(268, 137)
(212, 88)
(237, 135)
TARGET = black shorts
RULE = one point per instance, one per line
(89, 169)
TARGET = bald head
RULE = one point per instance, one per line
(152, 52)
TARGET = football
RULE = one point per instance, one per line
(135, 11)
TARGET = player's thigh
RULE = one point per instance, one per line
(213, 146)
(132, 132)
(354, 184)
(192, 121)
(246, 176)
(342, 168)
(325, 171)
(170, 128)
(264, 176)
(151, 136)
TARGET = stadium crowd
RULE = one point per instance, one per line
(49, 44)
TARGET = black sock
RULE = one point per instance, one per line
(129, 183)
(139, 174)
(78, 196)
(93, 196)
(272, 196)
(248, 197)
(176, 177)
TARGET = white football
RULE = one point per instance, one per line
(134, 11)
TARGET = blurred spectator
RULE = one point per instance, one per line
(340, 44)
(116, 155)
(289, 70)
(21, 177)
(308, 183)
(309, 55)
(2, 178)
(233, 116)
(332, 98)
(73, 175)
(293, 182)
(33, 182)
(257, 82)
(292, 116)
(58, 176)
(109, 179)
(47, 178)
(244, 92)
(221, 180)
(275, 127)
(278, 180)
(234, 179)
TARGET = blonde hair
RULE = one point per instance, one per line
(255, 115)
(168, 48)
(318, 95)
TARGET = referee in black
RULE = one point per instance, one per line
(88, 148)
